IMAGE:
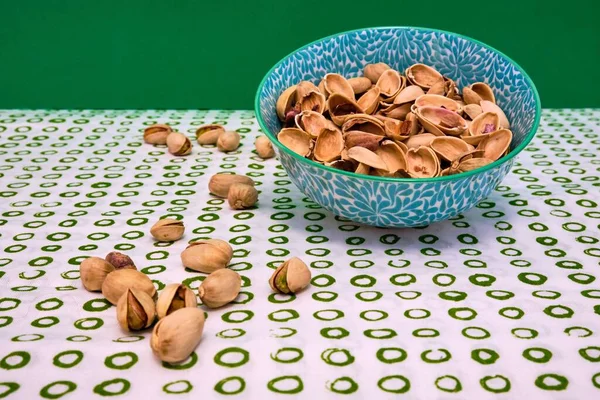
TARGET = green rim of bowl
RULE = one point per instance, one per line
(512, 154)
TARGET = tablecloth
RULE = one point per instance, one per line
(502, 301)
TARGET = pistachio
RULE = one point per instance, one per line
(157, 134)
(242, 196)
(219, 288)
(167, 230)
(117, 283)
(173, 297)
(135, 310)
(176, 336)
(208, 134)
(228, 141)
(264, 147)
(219, 184)
(179, 144)
(207, 255)
(120, 260)
(93, 271)
(290, 277)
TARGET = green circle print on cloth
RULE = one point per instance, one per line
(502, 301)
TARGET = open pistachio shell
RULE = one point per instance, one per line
(470, 96)
(329, 145)
(422, 139)
(392, 155)
(408, 94)
(360, 84)
(367, 157)
(488, 106)
(396, 111)
(439, 87)
(423, 75)
(341, 108)
(484, 123)
(434, 100)
(364, 123)
(391, 83)
(336, 83)
(496, 144)
(370, 100)
(484, 91)
(286, 101)
(296, 140)
(373, 71)
(313, 101)
(440, 121)
(422, 163)
(393, 128)
(473, 163)
(448, 147)
(472, 110)
(311, 122)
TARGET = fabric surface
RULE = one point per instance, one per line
(501, 301)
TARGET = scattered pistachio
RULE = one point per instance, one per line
(219, 288)
(209, 134)
(167, 230)
(264, 147)
(173, 297)
(179, 144)
(176, 336)
(228, 141)
(207, 255)
(219, 184)
(117, 283)
(157, 134)
(93, 271)
(135, 310)
(120, 260)
(290, 277)
(242, 196)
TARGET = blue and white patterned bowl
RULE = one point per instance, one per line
(400, 202)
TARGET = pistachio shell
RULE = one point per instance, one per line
(367, 157)
(219, 184)
(296, 140)
(290, 277)
(392, 128)
(423, 75)
(363, 169)
(391, 83)
(451, 89)
(484, 123)
(341, 108)
(472, 110)
(286, 101)
(496, 144)
(392, 155)
(219, 288)
(373, 71)
(336, 83)
(173, 297)
(422, 139)
(362, 139)
(370, 100)
(176, 336)
(448, 147)
(360, 84)
(364, 123)
(329, 145)
(207, 255)
(488, 106)
(434, 100)
(470, 97)
(312, 100)
(396, 111)
(209, 134)
(179, 144)
(484, 91)
(311, 122)
(93, 271)
(439, 87)
(157, 134)
(473, 163)
(440, 121)
(408, 94)
(135, 310)
(117, 283)
(422, 163)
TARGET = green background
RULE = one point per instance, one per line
(213, 54)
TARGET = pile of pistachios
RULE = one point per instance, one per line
(416, 125)
(180, 322)
(180, 145)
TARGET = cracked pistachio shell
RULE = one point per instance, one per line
(135, 310)
(336, 83)
(290, 277)
(422, 163)
(219, 184)
(488, 106)
(329, 145)
(179, 144)
(242, 196)
(470, 96)
(434, 100)
(207, 255)
(390, 83)
(364, 123)
(366, 157)
(392, 155)
(167, 230)
(341, 108)
(409, 94)
(484, 91)
(208, 134)
(495, 144)
(173, 297)
(228, 141)
(362, 139)
(441, 121)
(219, 288)
(176, 336)
(360, 84)
(369, 101)
(423, 75)
(120, 260)
(449, 148)
(117, 283)
(486, 122)
(285, 102)
(296, 140)
(157, 134)
(373, 71)
(311, 122)
(264, 147)
(93, 271)
(422, 139)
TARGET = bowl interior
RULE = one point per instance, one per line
(462, 59)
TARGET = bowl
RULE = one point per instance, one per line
(400, 202)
